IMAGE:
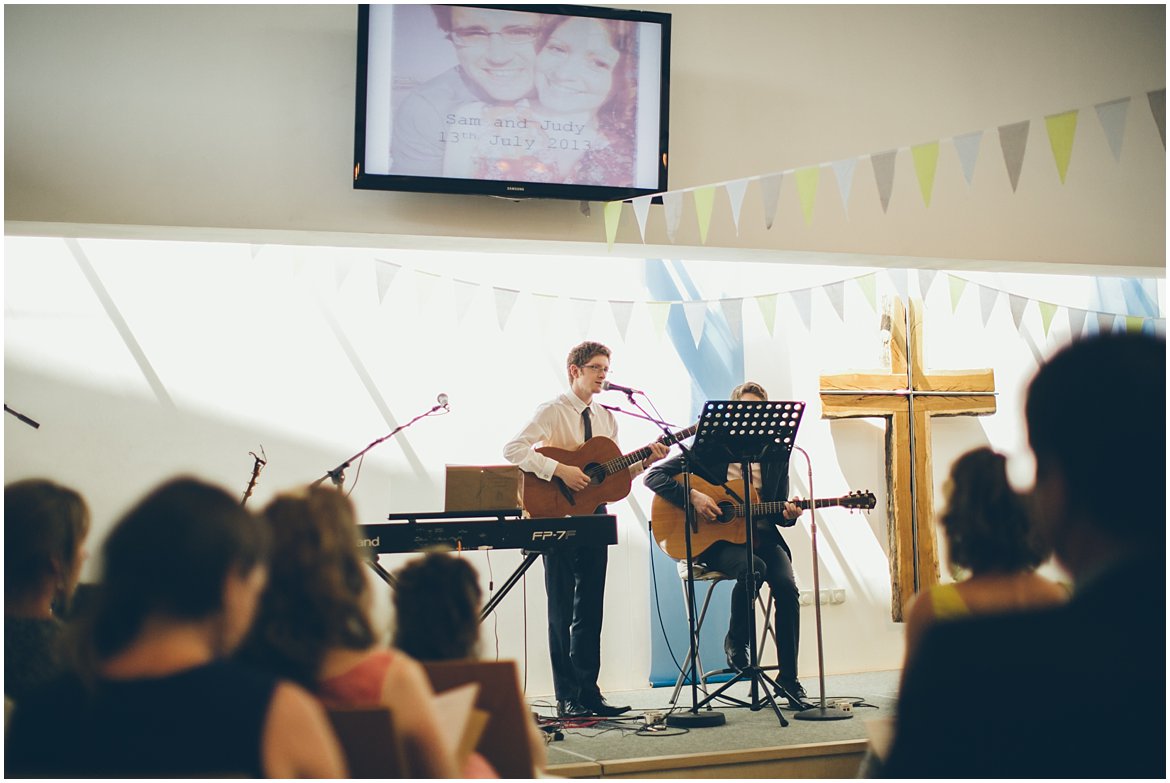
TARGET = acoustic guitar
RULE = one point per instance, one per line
(669, 521)
(601, 460)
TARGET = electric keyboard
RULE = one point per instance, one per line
(488, 529)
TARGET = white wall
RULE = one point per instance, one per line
(241, 117)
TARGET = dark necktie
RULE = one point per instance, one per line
(588, 424)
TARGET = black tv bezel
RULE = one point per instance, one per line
(505, 188)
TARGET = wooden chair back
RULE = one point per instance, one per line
(372, 748)
(505, 740)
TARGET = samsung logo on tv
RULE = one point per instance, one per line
(515, 187)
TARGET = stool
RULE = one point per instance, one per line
(702, 574)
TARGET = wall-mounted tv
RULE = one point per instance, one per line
(519, 101)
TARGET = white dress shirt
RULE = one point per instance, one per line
(558, 423)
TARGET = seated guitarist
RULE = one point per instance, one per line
(772, 558)
(574, 576)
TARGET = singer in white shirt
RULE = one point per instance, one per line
(574, 575)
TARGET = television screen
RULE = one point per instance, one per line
(516, 101)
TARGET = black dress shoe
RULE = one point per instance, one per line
(601, 708)
(570, 709)
(737, 654)
(794, 692)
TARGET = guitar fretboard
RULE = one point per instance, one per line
(626, 460)
(777, 506)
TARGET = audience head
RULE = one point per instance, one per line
(986, 523)
(45, 526)
(317, 598)
(1096, 416)
(188, 552)
(437, 607)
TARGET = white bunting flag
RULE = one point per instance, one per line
(901, 281)
(733, 312)
(1013, 140)
(735, 192)
(843, 170)
(967, 146)
(505, 301)
(621, 315)
(926, 280)
(836, 294)
(802, 301)
(583, 313)
(673, 204)
(770, 192)
(883, 172)
(696, 313)
(1111, 115)
(641, 207)
(1076, 322)
(1017, 305)
(987, 299)
(384, 271)
(341, 270)
(464, 296)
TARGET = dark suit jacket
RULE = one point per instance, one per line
(1072, 692)
(774, 485)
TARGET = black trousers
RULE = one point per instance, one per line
(773, 566)
(574, 579)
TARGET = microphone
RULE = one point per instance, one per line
(606, 386)
(442, 400)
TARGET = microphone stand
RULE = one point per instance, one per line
(822, 712)
(691, 718)
(337, 475)
(34, 424)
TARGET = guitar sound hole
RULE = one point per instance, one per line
(726, 512)
(595, 472)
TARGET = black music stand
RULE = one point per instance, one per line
(746, 432)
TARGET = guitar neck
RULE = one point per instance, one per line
(777, 506)
(626, 460)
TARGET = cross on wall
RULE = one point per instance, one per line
(908, 397)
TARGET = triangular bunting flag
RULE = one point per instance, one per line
(767, 304)
(770, 192)
(621, 316)
(384, 271)
(1017, 305)
(1104, 323)
(505, 301)
(659, 312)
(1047, 311)
(464, 294)
(735, 192)
(1133, 324)
(341, 270)
(806, 185)
(926, 280)
(843, 169)
(836, 294)
(925, 165)
(613, 215)
(883, 172)
(1013, 139)
(958, 285)
(704, 202)
(967, 146)
(673, 205)
(583, 313)
(255, 249)
(1111, 115)
(900, 278)
(988, 296)
(425, 283)
(1076, 322)
(1158, 107)
(641, 207)
(802, 299)
(696, 313)
(733, 312)
(545, 306)
(1062, 128)
(868, 286)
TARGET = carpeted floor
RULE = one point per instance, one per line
(871, 694)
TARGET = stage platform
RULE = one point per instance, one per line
(749, 745)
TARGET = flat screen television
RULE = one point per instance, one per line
(518, 101)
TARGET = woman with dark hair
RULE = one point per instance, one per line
(990, 533)
(436, 608)
(45, 526)
(155, 693)
(314, 626)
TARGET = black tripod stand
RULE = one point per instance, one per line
(749, 432)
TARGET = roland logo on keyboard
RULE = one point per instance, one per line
(370, 543)
(558, 535)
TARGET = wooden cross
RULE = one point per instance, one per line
(908, 397)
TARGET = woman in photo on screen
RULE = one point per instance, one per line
(580, 125)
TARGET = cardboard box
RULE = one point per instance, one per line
(481, 487)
